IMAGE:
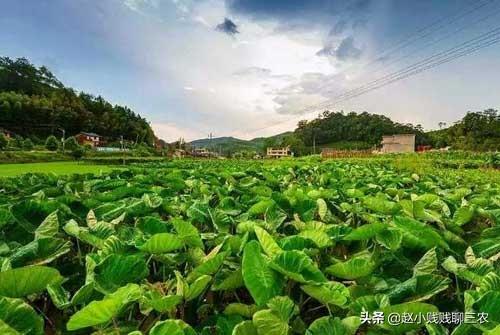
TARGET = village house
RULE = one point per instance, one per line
(8, 134)
(179, 153)
(201, 152)
(279, 152)
(91, 139)
(398, 143)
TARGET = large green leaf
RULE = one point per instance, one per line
(297, 266)
(21, 282)
(208, 267)
(419, 235)
(353, 268)
(269, 245)
(320, 238)
(262, 282)
(284, 307)
(236, 308)
(59, 296)
(81, 233)
(428, 285)
(275, 320)
(268, 322)
(365, 232)
(18, 318)
(187, 233)
(49, 227)
(162, 243)
(245, 328)
(117, 270)
(490, 304)
(382, 206)
(159, 302)
(39, 252)
(167, 327)
(102, 311)
(390, 238)
(463, 215)
(329, 293)
(326, 326)
(427, 264)
(197, 287)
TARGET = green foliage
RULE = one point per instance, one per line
(70, 143)
(78, 152)
(52, 143)
(3, 141)
(30, 96)
(352, 127)
(27, 144)
(477, 131)
(288, 247)
(18, 317)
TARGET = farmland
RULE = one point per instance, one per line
(70, 167)
(252, 248)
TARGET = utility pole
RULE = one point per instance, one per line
(314, 142)
(122, 149)
(210, 136)
(63, 138)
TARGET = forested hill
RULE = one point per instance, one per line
(33, 102)
(365, 128)
(478, 131)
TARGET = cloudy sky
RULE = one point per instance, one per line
(250, 68)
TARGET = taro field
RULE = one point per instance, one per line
(251, 248)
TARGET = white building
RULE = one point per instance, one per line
(398, 143)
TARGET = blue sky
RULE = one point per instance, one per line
(249, 68)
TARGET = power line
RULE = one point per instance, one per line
(443, 22)
(460, 29)
(463, 49)
(435, 57)
(409, 40)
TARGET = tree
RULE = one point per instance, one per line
(297, 146)
(27, 144)
(17, 142)
(70, 143)
(3, 141)
(77, 152)
(31, 95)
(52, 143)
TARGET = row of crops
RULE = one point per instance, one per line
(246, 248)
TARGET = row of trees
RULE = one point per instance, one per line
(33, 102)
(51, 143)
(363, 128)
(477, 131)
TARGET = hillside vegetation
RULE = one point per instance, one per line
(34, 103)
(478, 131)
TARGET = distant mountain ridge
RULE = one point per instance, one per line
(232, 144)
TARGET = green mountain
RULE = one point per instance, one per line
(228, 145)
(35, 104)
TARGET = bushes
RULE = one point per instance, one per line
(31, 157)
(3, 142)
(52, 143)
(77, 152)
(27, 144)
(70, 143)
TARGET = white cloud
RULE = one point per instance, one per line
(171, 132)
(248, 82)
